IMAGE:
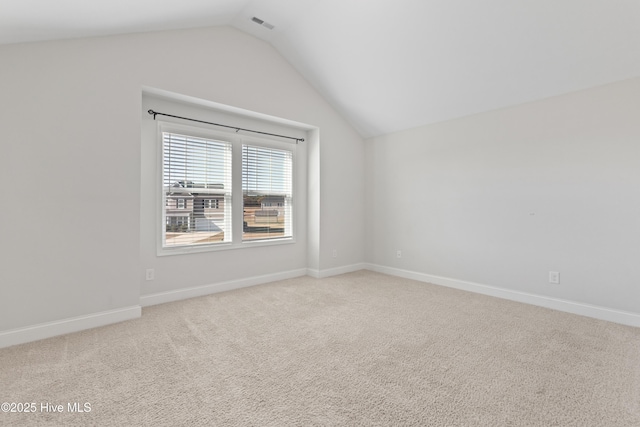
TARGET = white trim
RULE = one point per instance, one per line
(315, 273)
(597, 312)
(67, 326)
(321, 274)
(198, 291)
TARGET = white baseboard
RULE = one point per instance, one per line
(198, 291)
(328, 272)
(66, 326)
(597, 312)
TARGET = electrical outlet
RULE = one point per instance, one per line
(554, 277)
(398, 254)
(335, 253)
(151, 274)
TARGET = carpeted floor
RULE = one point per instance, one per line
(361, 349)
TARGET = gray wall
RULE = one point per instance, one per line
(71, 120)
(502, 198)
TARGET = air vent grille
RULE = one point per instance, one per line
(261, 22)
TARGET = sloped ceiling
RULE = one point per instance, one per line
(389, 65)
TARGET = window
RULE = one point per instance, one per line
(198, 169)
(194, 168)
(266, 193)
(211, 204)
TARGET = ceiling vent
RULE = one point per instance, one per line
(261, 22)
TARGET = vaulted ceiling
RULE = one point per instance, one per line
(389, 65)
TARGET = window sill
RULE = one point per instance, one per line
(183, 250)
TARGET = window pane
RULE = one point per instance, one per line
(266, 193)
(196, 177)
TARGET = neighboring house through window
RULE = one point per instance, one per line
(194, 170)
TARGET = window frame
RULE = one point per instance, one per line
(236, 197)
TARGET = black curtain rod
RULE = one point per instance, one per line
(155, 113)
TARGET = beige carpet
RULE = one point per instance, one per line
(361, 349)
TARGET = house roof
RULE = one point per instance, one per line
(388, 66)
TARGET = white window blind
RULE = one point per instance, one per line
(267, 193)
(195, 172)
